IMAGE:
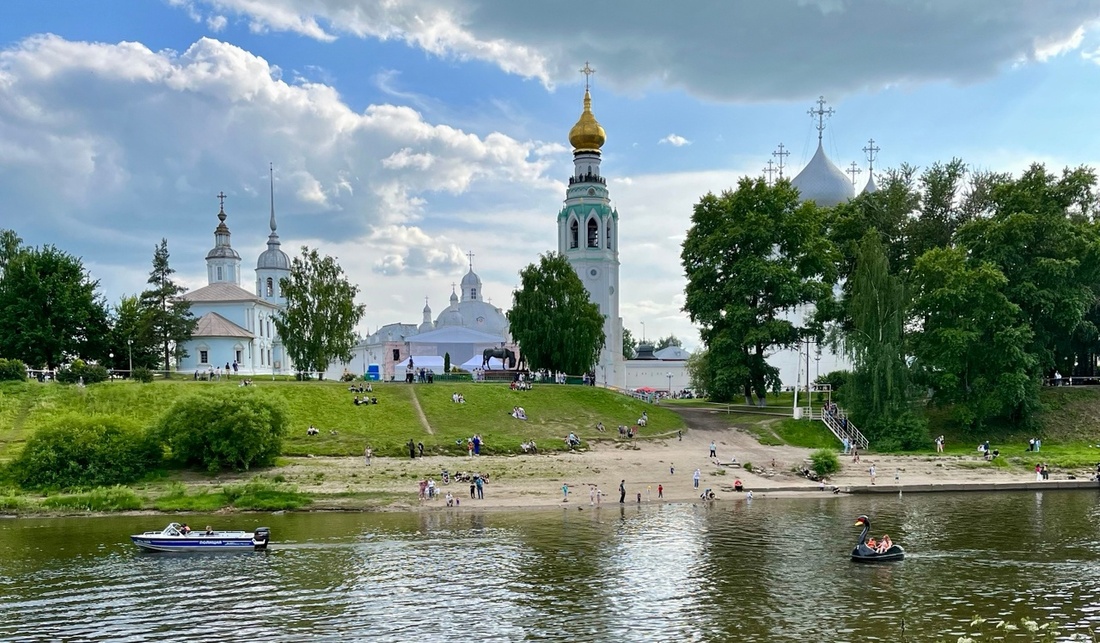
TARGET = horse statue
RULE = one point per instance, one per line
(503, 354)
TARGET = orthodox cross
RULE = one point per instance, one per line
(221, 201)
(871, 151)
(781, 153)
(471, 256)
(853, 170)
(453, 286)
(769, 170)
(587, 71)
(425, 301)
(820, 114)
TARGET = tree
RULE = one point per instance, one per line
(167, 319)
(875, 342)
(130, 336)
(10, 245)
(630, 345)
(665, 342)
(971, 349)
(751, 257)
(234, 429)
(556, 325)
(318, 325)
(50, 310)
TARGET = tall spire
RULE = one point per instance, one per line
(271, 173)
(781, 153)
(821, 114)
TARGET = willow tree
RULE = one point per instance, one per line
(552, 318)
(875, 342)
(318, 324)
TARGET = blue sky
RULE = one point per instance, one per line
(405, 134)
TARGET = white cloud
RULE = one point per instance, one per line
(723, 50)
(216, 23)
(675, 140)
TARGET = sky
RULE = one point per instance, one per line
(405, 134)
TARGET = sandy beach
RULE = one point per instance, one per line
(535, 480)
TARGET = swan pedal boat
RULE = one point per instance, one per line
(861, 553)
(172, 538)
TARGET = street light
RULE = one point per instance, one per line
(643, 332)
(130, 343)
(112, 356)
(670, 384)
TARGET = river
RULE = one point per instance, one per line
(763, 570)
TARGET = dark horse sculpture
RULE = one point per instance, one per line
(503, 354)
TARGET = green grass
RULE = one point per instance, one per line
(553, 412)
(811, 434)
(99, 499)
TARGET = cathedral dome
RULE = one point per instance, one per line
(470, 279)
(449, 317)
(587, 133)
(273, 257)
(822, 182)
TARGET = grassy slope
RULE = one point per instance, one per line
(553, 412)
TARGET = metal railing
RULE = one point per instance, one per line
(839, 424)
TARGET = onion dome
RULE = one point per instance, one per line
(822, 182)
(222, 249)
(449, 317)
(587, 133)
(871, 187)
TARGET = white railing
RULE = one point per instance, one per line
(839, 424)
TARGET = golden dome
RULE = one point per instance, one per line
(587, 133)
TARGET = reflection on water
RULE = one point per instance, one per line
(769, 570)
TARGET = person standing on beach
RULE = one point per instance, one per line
(481, 488)
(477, 444)
(565, 492)
(695, 478)
(367, 454)
(872, 472)
(622, 491)
(713, 449)
(591, 495)
(855, 453)
(660, 492)
(679, 435)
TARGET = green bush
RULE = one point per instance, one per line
(825, 462)
(12, 369)
(142, 374)
(227, 429)
(86, 451)
(262, 495)
(747, 467)
(79, 371)
(98, 499)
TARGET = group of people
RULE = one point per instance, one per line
(572, 441)
(1034, 444)
(521, 385)
(880, 546)
(421, 375)
(519, 413)
(1041, 472)
(360, 388)
(475, 443)
(245, 382)
(458, 398)
(986, 452)
(365, 400)
(939, 444)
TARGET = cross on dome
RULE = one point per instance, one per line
(587, 71)
(853, 170)
(769, 170)
(821, 114)
(221, 205)
(781, 152)
(871, 151)
(470, 255)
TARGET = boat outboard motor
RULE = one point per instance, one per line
(260, 538)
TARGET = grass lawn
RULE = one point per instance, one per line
(553, 411)
(811, 434)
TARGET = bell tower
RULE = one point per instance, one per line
(588, 235)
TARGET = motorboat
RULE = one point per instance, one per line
(861, 553)
(177, 537)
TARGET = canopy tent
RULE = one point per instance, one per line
(495, 363)
(433, 362)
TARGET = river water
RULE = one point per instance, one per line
(762, 570)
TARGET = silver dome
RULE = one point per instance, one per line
(822, 182)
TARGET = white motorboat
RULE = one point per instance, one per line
(177, 537)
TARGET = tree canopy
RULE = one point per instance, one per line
(166, 319)
(318, 325)
(752, 256)
(556, 325)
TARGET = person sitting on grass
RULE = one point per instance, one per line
(312, 430)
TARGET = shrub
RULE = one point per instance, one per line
(142, 374)
(80, 370)
(225, 429)
(86, 451)
(261, 495)
(98, 499)
(825, 462)
(12, 369)
(747, 467)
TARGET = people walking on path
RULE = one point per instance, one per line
(695, 478)
(622, 492)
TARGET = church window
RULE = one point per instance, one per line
(609, 237)
(262, 356)
(473, 294)
(219, 273)
(238, 356)
(593, 234)
(396, 354)
(269, 356)
(269, 328)
(261, 325)
(574, 233)
(270, 286)
(204, 357)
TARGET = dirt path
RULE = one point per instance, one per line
(420, 413)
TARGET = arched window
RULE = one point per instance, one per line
(574, 234)
(593, 233)
(219, 273)
(270, 286)
(609, 236)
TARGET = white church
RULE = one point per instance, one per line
(235, 326)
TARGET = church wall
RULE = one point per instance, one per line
(654, 374)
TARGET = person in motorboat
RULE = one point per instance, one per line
(185, 529)
(209, 531)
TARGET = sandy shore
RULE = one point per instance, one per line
(534, 481)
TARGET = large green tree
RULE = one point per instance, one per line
(972, 347)
(556, 325)
(10, 245)
(753, 257)
(131, 341)
(167, 318)
(50, 309)
(318, 325)
(630, 345)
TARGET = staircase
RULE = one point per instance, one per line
(839, 427)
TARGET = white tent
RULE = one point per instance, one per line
(433, 362)
(495, 363)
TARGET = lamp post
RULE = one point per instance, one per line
(670, 384)
(643, 332)
(112, 358)
(130, 344)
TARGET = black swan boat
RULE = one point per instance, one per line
(861, 553)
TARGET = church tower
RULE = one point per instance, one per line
(223, 264)
(273, 265)
(588, 236)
